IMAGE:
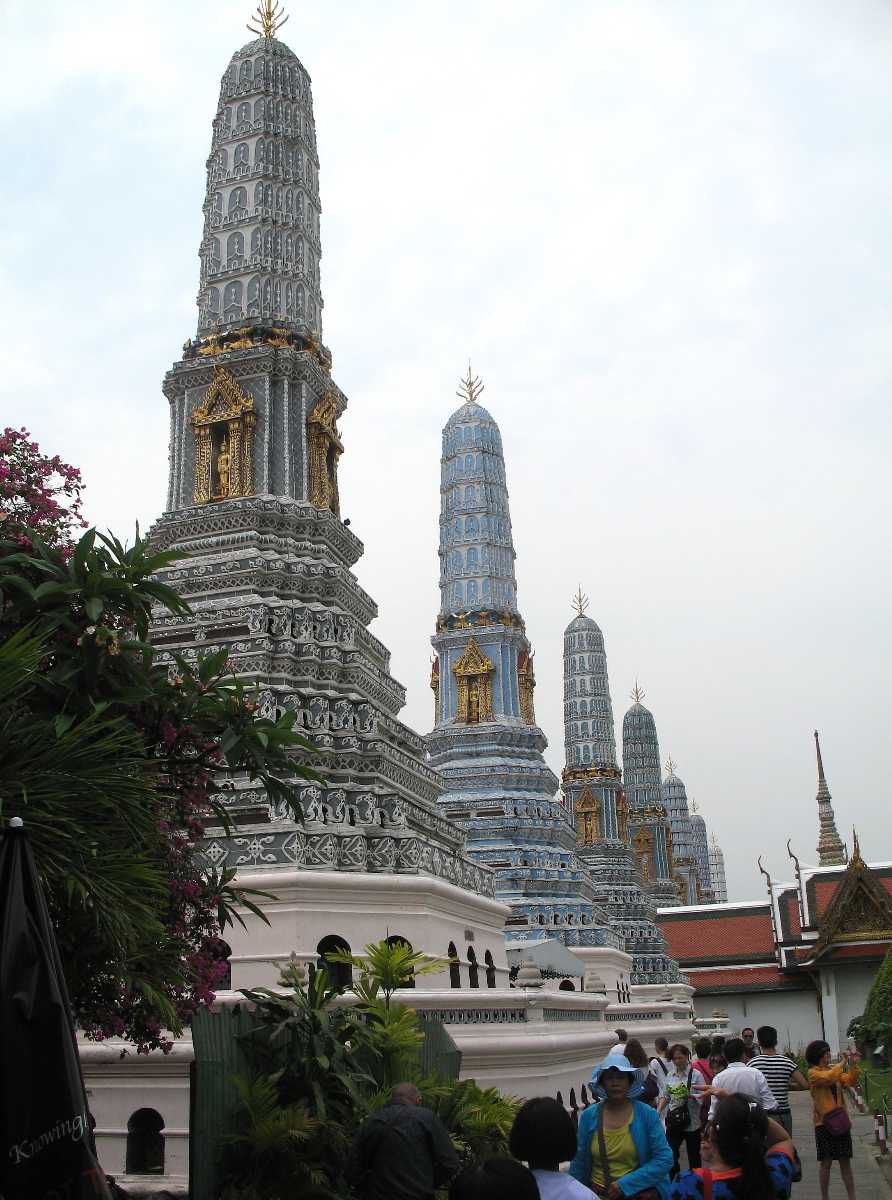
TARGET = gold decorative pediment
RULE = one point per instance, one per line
(473, 661)
(860, 910)
(223, 400)
(223, 425)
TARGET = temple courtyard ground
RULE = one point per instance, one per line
(870, 1181)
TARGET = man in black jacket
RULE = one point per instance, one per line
(402, 1152)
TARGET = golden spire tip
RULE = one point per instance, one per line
(270, 18)
(470, 387)
(580, 601)
(637, 693)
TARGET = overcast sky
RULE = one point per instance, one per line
(661, 230)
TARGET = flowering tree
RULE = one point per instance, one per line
(116, 763)
(39, 496)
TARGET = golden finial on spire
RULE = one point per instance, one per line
(637, 693)
(671, 764)
(695, 806)
(270, 17)
(580, 601)
(471, 387)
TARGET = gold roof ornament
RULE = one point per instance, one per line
(671, 764)
(270, 18)
(470, 387)
(473, 661)
(637, 693)
(580, 602)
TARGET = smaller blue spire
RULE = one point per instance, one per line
(476, 543)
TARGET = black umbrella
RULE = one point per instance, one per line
(46, 1143)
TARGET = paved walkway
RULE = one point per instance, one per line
(869, 1181)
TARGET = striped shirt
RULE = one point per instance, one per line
(777, 1069)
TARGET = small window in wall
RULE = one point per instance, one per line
(341, 974)
(454, 966)
(397, 939)
(566, 985)
(145, 1143)
(490, 970)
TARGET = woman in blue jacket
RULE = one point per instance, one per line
(621, 1149)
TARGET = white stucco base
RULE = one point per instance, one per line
(361, 908)
(527, 1042)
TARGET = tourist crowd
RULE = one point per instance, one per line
(726, 1104)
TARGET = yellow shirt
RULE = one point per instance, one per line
(827, 1088)
(622, 1156)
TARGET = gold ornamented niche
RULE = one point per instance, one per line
(223, 425)
(526, 681)
(588, 817)
(474, 674)
(324, 448)
(643, 843)
(435, 686)
(622, 817)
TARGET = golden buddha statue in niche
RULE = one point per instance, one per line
(222, 468)
(223, 424)
(474, 673)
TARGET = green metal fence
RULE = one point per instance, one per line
(439, 1054)
(219, 1055)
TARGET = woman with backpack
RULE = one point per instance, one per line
(681, 1102)
(833, 1129)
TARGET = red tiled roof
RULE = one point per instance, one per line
(726, 935)
(746, 978)
(825, 890)
(791, 913)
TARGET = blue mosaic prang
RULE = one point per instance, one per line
(700, 847)
(649, 829)
(476, 545)
(268, 572)
(717, 871)
(485, 741)
(594, 799)
(675, 801)
(261, 245)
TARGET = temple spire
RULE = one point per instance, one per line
(831, 851)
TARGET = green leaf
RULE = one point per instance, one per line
(93, 607)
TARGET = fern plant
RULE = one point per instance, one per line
(275, 1152)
